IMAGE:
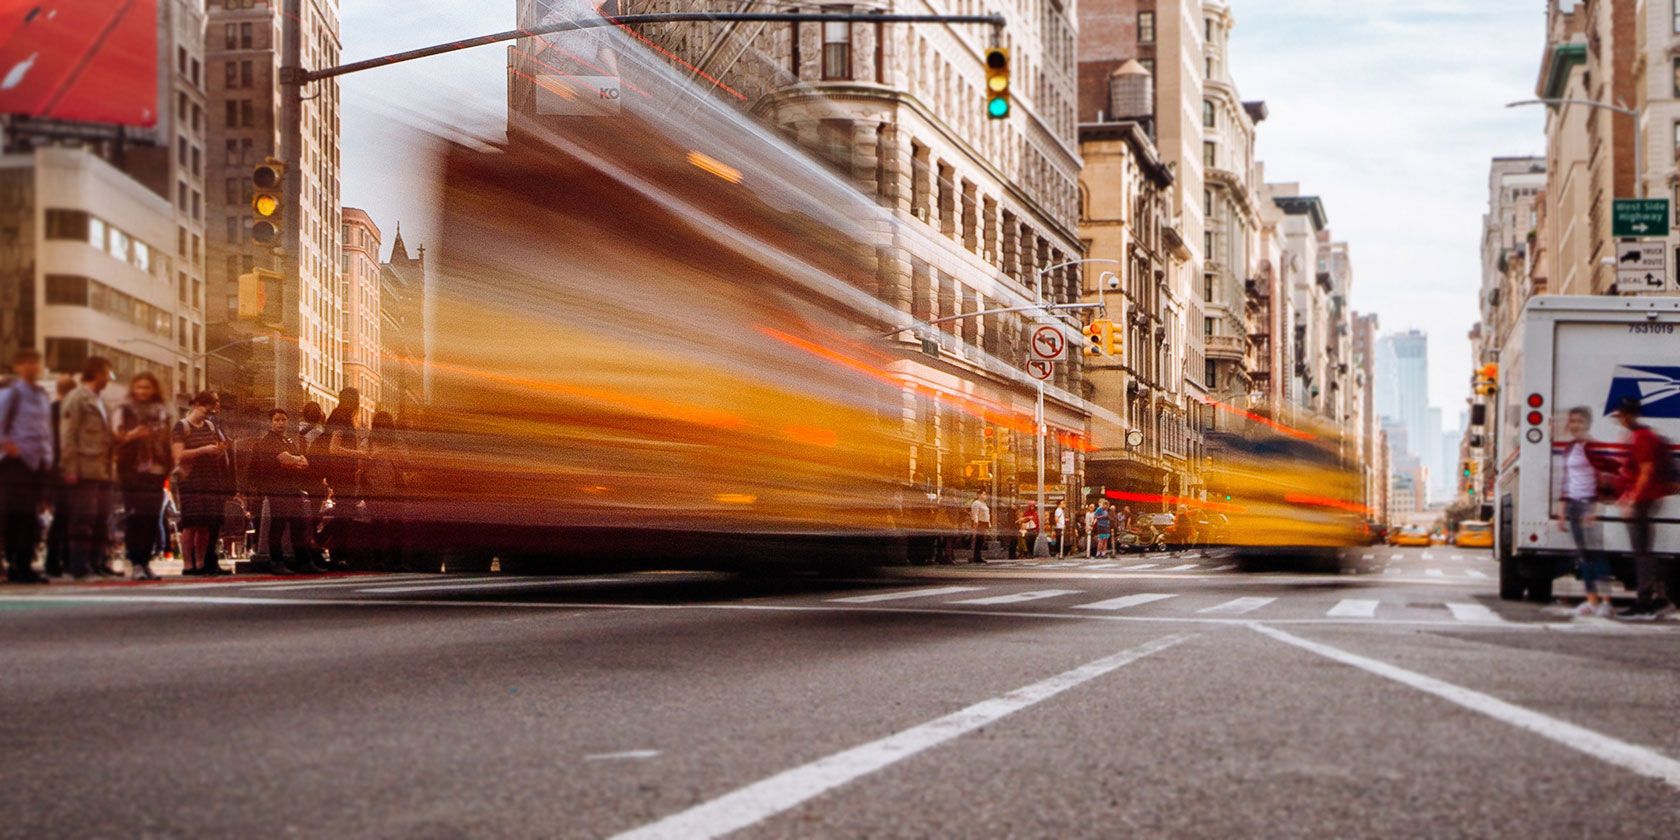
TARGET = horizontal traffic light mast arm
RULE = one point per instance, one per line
(1056, 307)
(306, 76)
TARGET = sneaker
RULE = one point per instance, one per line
(1663, 611)
(1638, 613)
(1587, 609)
(1602, 610)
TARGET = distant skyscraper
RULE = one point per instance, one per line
(1403, 388)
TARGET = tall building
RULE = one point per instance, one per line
(1516, 187)
(1306, 279)
(1232, 224)
(1407, 360)
(988, 209)
(103, 225)
(244, 54)
(363, 350)
(1166, 39)
(403, 290)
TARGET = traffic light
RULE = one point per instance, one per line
(1101, 339)
(1487, 380)
(997, 83)
(978, 471)
(262, 297)
(268, 182)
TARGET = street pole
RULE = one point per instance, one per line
(1638, 131)
(289, 256)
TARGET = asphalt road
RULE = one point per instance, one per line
(1160, 695)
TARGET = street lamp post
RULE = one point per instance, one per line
(256, 339)
(1638, 131)
(1041, 544)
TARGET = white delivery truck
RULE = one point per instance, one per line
(1564, 352)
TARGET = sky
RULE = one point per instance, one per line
(1389, 110)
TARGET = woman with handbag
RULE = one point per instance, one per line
(200, 450)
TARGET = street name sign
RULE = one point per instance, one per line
(1049, 343)
(1641, 267)
(1639, 217)
(1041, 369)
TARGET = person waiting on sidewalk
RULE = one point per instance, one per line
(1103, 526)
(201, 474)
(1060, 523)
(1578, 472)
(144, 459)
(25, 457)
(1647, 476)
(87, 469)
(383, 481)
(278, 468)
(980, 521)
(1028, 527)
(58, 533)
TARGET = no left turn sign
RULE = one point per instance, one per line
(1049, 344)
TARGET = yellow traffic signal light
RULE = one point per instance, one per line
(267, 200)
(1101, 339)
(978, 471)
(997, 83)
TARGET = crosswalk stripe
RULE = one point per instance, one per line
(1225, 568)
(1237, 606)
(1184, 568)
(1102, 565)
(1368, 557)
(1428, 556)
(358, 580)
(1018, 597)
(482, 584)
(928, 592)
(1475, 614)
(1398, 557)
(1140, 567)
(1125, 602)
(1354, 608)
(1475, 574)
(1434, 573)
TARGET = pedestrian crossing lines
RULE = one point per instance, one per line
(1162, 605)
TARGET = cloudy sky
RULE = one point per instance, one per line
(1387, 109)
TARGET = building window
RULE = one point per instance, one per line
(1208, 154)
(232, 114)
(245, 75)
(1146, 27)
(1207, 324)
(246, 36)
(1208, 374)
(837, 47)
(1208, 120)
(1677, 77)
(230, 36)
(1207, 288)
(71, 225)
(1148, 64)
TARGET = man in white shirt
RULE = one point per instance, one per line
(980, 516)
(1577, 494)
(1060, 524)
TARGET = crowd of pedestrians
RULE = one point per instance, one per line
(184, 485)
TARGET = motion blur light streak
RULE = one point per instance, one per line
(716, 167)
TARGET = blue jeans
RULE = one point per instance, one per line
(1589, 563)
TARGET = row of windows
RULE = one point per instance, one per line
(81, 226)
(68, 354)
(75, 290)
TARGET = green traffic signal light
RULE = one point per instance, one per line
(998, 107)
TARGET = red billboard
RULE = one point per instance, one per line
(90, 61)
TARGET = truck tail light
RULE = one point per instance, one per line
(1535, 401)
(1535, 418)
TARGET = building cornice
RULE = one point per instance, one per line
(1149, 158)
(1559, 61)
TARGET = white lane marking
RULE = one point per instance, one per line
(1354, 608)
(1056, 565)
(1475, 613)
(1125, 602)
(1475, 574)
(1641, 760)
(1434, 573)
(618, 756)
(1391, 571)
(1140, 567)
(929, 592)
(1018, 597)
(1458, 557)
(483, 584)
(1427, 556)
(1237, 606)
(1368, 557)
(1182, 568)
(1225, 568)
(763, 799)
(359, 580)
(1398, 557)
(1095, 566)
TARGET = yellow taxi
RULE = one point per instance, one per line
(1411, 535)
(1474, 535)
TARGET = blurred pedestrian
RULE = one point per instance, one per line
(383, 482)
(1088, 528)
(980, 521)
(1104, 525)
(1578, 474)
(1647, 476)
(1028, 528)
(87, 468)
(26, 456)
(1060, 523)
(201, 459)
(311, 433)
(58, 532)
(278, 470)
(144, 459)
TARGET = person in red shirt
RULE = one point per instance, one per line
(1642, 488)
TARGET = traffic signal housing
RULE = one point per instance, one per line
(997, 83)
(268, 201)
(262, 297)
(1101, 339)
